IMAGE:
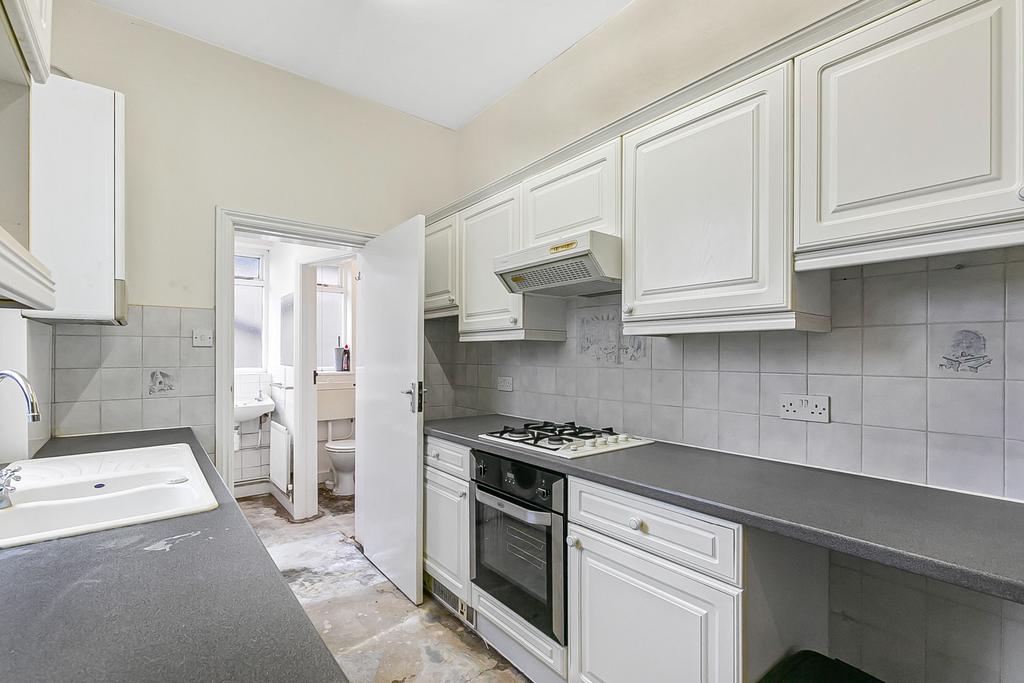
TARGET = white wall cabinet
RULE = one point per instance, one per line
(31, 21)
(441, 282)
(707, 241)
(446, 530)
(583, 193)
(77, 198)
(909, 136)
(637, 617)
(487, 311)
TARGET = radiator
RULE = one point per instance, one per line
(280, 456)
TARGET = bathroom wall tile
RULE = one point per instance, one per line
(700, 352)
(894, 453)
(783, 439)
(895, 402)
(160, 352)
(1015, 350)
(773, 385)
(636, 418)
(121, 352)
(165, 382)
(118, 416)
(667, 387)
(667, 353)
(966, 406)
(966, 463)
(738, 392)
(161, 321)
(974, 294)
(609, 384)
(966, 350)
(160, 412)
(783, 351)
(121, 383)
(738, 433)
(700, 427)
(700, 390)
(76, 418)
(740, 351)
(845, 394)
(196, 319)
(636, 386)
(76, 352)
(1015, 291)
(896, 299)
(667, 425)
(896, 267)
(132, 329)
(195, 356)
(198, 411)
(1014, 472)
(76, 385)
(847, 303)
(896, 351)
(835, 353)
(834, 445)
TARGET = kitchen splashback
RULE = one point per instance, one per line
(925, 367)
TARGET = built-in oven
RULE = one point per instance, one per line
(517, 544)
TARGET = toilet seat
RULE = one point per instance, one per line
(341, 445)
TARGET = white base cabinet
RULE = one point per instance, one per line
(446, 530)
(707, 237)
(909, 136)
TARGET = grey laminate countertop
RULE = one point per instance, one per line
(194, 598)
(971, 541)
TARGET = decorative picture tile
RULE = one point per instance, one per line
(602, 343)
(161, 383)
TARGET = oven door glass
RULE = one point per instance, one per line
(518, 549)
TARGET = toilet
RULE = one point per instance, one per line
(336, 400)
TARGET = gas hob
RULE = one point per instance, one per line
(564, 439)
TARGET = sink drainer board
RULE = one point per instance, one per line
(78, 494)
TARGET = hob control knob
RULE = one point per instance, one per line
(589, 443)
(602, 441)
(613, 438)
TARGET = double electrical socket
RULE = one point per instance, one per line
(809, 408)
(504, 383)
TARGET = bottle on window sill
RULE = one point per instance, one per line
(346, 357)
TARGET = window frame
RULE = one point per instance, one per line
(345, 308)
(263, 281)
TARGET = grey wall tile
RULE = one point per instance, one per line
(896, 267)
(667, 353)
(847, 302)
(586, 382)
(132, 329)
(1014, 463)
(667, 425)
(738, 433)
(161, 321)
(1015, 291)
(587, 411)
(565, 381)
(196, 319)
(738, 392)
(160, 412)
(76, 385)
(895, 402)
(700, 352)
(667, 387)
(1015, 410)
(117, 416)
(835, 353)
(896, 299)
(636, 418)
(971, 350)
(772, 385)
(121, 352)
(783, 439)
(970, 258)
(966, 406)
(700, 427)
(1014, 350)
(970, 294)
(121, 383)
(71, 329)
(740, 351)
(198, 411)
(609, 384)
(76, 352)
(966, 463)
(196, 356)
(609, 413)
(896, 351)
(700, 390)
(636, 386)
(834, 445)
(894, 453)
(76, 418)
(161, 352)
(783, 352)
(845, 393)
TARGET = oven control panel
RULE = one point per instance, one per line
(541, 487)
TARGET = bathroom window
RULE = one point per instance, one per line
(331, 315)
(250, 310)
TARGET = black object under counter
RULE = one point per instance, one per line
(967, 540)
(115, 606)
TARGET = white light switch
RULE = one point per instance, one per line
(202, 338)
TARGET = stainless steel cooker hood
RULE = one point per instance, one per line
(587, 263)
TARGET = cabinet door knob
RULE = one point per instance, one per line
(1020, 194)
(572, 541)
(462, 494)
(451, 299)
(635, 524)
(627, 309)
(512, 320)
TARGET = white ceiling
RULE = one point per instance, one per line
(441, 60)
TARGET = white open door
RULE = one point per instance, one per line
(388, 358)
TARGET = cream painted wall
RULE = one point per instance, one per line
(650, 49)
(206, 127)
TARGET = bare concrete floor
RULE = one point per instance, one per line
(374, 632)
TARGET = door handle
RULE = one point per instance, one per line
(415, 394)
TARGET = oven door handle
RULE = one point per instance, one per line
(513, 510)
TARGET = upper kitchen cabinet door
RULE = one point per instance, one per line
(441, 268)
(487, 229)
(911, 125)
(706, 228)
(581, 194)
(31, 21)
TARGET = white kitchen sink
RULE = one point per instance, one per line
(250, 408)
(78, 494)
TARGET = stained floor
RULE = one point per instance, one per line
(374, 632)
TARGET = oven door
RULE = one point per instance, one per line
(518, 558)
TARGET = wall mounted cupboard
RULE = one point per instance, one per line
(31, 22)
(909, 136)
(441, 271)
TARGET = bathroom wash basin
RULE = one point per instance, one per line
(250, 408)
(78, 494)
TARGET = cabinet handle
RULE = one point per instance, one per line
(635, 524)
(512, 320)
(572, 541)
(462, 494)
(627, 309)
